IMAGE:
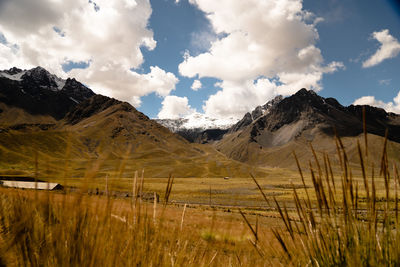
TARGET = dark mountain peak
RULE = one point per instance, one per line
(262, 110)
(306, 106)
(71, 83)
(273, 102)
(76, 91)
(247, 120)
(307, 110)
(38, 69)
(304, 103)
(256, 114)
(305, 97)
(37, 91)
(40, 77)
(269, 105)
(38, 73)
(302, 118)
(13, 71)
(303, 92)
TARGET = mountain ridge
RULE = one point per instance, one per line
(43, 112)
(330, 115)
(68, 124)
(297, 120)
(41, 93)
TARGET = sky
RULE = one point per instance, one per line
(173, 58)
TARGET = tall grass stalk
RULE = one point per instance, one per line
(362, 231)
(81, 230)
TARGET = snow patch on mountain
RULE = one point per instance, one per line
(60, 82)
(200, 122)
(39, 78)
(197, 121)
(12, 76)
(53, 82)
(49, 80)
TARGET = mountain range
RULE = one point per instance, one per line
(290, 124)
(198, 128)
(67, 126)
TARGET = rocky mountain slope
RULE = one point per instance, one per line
(258, 112)
(70, 129)
(304, 117)
(38, 92)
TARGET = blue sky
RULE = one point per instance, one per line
(344, 36)
(243, 53)
(175, 24)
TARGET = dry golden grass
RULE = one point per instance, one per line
(331, 215)
(58, 147)
(52, 229)
(343, 227)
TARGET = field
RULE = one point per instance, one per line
(323, 215)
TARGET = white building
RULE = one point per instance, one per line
(31, 185)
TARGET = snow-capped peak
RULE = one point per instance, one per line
(39, 75)
(38, 80)
(197, 121)
(45, 78)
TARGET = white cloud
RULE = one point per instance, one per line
(196, 85)
(390, 47)
(236, 98)
(108, 34)
(389, 106)
(263, 48)
(127, 85)
(174, 107)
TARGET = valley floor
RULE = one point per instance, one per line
(219, 236)
(322, 216)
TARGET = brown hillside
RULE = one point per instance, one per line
(290, 124)
(105, 131)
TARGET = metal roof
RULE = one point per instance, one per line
(30, 185)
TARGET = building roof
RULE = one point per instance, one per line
(30, 185)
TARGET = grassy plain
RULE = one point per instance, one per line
(337, 215)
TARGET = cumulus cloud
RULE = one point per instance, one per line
(106, 34)
(127, 85)
(196, 85)
(389, 48)
(389, 106)
(235, 99)
(174, 107)
(263, 48)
